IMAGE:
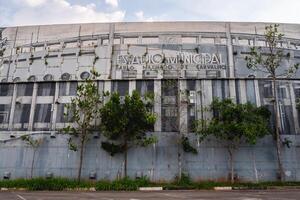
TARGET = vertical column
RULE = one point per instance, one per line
(32, 109)
(207, 97)
(243, 94)
(198, 105)
(121, 40)
(132, 86)
(157, 105)
(231, 74)
(111, 51)
(12, 109)
(140, 39)
(295, 112)
(54, 106)
(107, 86)
(182, 107)
(256, 88)
(198, 39)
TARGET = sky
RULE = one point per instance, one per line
(33, 12)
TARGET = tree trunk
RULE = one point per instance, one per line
(277, 133)
(125, 159)
(32, 163)
(230, 151)
(80, 160)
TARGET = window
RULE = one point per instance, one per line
(150, 40)
(21, 116)
(65, 76)
(189, 40)
(130, 40)
(67, 88)
(63, 116)
(282, 92)
(84, 75)
(63, 89)
(46, 89)
(117, 41)
(24, 89)
(220, 89)
(42, 113)
(4, 113)
(169, 108)
(73, 88)
(208, 40)
(121, 87)
(250, 91)
(267, 90)
(6, 90)
(144, 87)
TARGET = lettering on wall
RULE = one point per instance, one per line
(202, 61)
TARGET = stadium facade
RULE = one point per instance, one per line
(41, 67)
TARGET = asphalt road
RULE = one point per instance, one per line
(199, 195)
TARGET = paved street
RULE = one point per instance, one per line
(199, 195)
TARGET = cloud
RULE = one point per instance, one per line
(59, 12)
(237, 10)
(113, 3)
(140, 17)
(34, 3)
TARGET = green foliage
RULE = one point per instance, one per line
(186, 146)
(127, 184)
(235, 123)
(112, 148)
(126, 122)
(184, 180)
(269, 59)
(84, 112)
(34, 143)
(72, 146)
(84, 109)
(55, 184)
(286, 142)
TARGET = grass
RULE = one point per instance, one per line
(127, 184)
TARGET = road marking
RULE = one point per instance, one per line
(21, 197)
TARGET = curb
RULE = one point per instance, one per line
(150, 189)
(222, 188)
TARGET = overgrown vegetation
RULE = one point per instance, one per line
(125, 123)
(84, 109)
(234, 124)
(270, 61)
(34, 144)
(126, 184)
(186, 146)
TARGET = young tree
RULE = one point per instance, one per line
(269, 60)
(34, 144)
(126, 123)
(84, 109)
(234, 124)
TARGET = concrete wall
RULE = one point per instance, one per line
(159, 162)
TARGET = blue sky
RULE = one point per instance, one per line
(30, 12)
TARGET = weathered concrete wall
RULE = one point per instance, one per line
(158, 162)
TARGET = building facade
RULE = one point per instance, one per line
(41, 67)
